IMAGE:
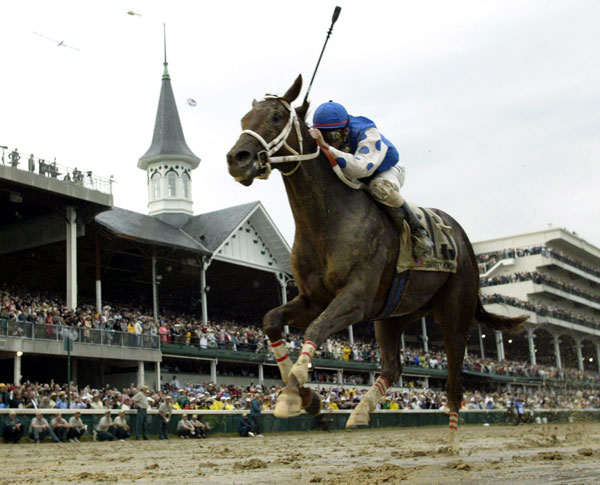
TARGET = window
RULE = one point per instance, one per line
(186, 186)
(172, 180)
(155, 186)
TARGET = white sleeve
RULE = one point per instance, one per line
(369, 154)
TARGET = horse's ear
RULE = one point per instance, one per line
(302, 110)
(254, 102)
(294, 91)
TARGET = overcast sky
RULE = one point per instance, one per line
(494, 106)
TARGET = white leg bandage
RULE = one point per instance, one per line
(283, 358)
(300, 369)
(375, 394)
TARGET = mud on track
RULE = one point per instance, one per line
(564, 453)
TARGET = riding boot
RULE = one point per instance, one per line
(422, 244)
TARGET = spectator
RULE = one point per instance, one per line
(60, 427)
(13, 428)
(245, 426)
(200, 427)
(122, 429)
(519, 410)
(141, 401)
(39, 429)
(185, 428)
(164, 413)
(105, 431)
(76, 427)
(14, 158)
(256, 415)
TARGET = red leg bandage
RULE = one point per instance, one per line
(453, 421)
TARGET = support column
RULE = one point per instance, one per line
(141, 377)
(74, 366)
(154, 290)
(98, 276)
(157, 375)
(283, 294)
(71, 242)
(204, 291)
(530, 336)
(351, 335)
(402, 343)
(481, 347)
(371, 377)
(598, 356)
(17, 369)
(579, 354)
(556, 338)
(213, 371)
(261, 374)
(424, 335)
(499, 345)
(340, 375)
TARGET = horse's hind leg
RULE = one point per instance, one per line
(387, 333)
(455, 312)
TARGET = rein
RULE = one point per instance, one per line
(266, 158)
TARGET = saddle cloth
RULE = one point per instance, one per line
(443, 255)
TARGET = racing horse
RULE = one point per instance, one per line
(343, 262)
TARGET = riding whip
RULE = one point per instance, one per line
(336, 14)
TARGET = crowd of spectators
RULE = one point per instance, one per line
(541, 279)
(53, 399)
(45, 168)
(487, 260)
(51, 313)
(541, 309)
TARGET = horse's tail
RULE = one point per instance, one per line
(512, 325)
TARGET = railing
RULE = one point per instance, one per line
(523, 252)
(56, 171)
(539, 309)
(92, 336)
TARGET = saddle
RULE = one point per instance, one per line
(443, 255)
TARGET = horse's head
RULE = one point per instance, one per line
(265, 132)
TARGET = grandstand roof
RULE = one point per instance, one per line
(209, 234)
(147, 229)
(213, 228)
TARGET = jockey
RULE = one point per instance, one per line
(355, 144)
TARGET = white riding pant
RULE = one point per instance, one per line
(385, 186)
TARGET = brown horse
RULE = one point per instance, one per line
(343, 262)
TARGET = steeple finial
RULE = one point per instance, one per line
(166, 71)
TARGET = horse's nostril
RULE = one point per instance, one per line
(243, 157)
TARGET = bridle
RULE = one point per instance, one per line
(266, 158)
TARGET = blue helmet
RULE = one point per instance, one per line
(330, 116)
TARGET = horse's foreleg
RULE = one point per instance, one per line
(387, 333)
(344, 310)
(298, 312)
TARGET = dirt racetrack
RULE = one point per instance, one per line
(561, 453)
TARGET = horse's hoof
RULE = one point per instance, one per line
(311, 402)
(357, 419)
(288, 405)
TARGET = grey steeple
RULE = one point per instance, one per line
(168, 140)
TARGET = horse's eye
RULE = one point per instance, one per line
(276, 118)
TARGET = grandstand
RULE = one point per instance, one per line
(553, 276)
